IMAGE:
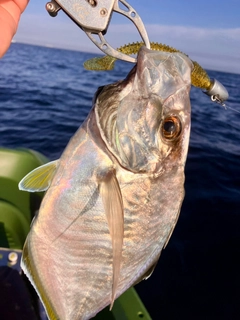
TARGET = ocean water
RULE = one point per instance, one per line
(45, 94)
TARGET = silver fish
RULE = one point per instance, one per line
(114, 197)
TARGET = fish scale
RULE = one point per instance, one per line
(113, 201)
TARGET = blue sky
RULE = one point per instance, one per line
(207, 30)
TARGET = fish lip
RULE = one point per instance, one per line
(142, 58)
(143, 51)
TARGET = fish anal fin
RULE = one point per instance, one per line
(30, 270)
(149, 272)
(113, 206)
(40, 178)
(171, 231)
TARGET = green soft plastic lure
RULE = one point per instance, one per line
(199, 76)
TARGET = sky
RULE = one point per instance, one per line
(207, 30)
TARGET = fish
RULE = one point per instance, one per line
(114, 196)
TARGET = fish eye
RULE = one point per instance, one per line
(171, 127)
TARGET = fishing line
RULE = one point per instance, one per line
(214, 98)
(226, 107)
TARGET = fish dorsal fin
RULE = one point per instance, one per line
(113, 205)
(40, 178)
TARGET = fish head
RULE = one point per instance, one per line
(145, 119)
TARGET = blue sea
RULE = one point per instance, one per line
(45, 94)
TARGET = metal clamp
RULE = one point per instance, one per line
(93, 17)
(87, 14)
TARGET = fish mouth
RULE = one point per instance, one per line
(143, 60)
(146, 57)
(161, 72)
(143, 51)
(147, 72)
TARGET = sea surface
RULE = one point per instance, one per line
(45, 94)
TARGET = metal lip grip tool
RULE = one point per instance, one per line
(93, 17)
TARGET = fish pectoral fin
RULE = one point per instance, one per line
(113, 205)
(40, 178)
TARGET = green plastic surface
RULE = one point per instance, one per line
(3, 237)
(15, 224)
(130, 305)
(17, 208)
(127, 307)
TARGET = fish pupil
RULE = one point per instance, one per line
(169, 126)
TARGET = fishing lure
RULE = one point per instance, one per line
(199, 76)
